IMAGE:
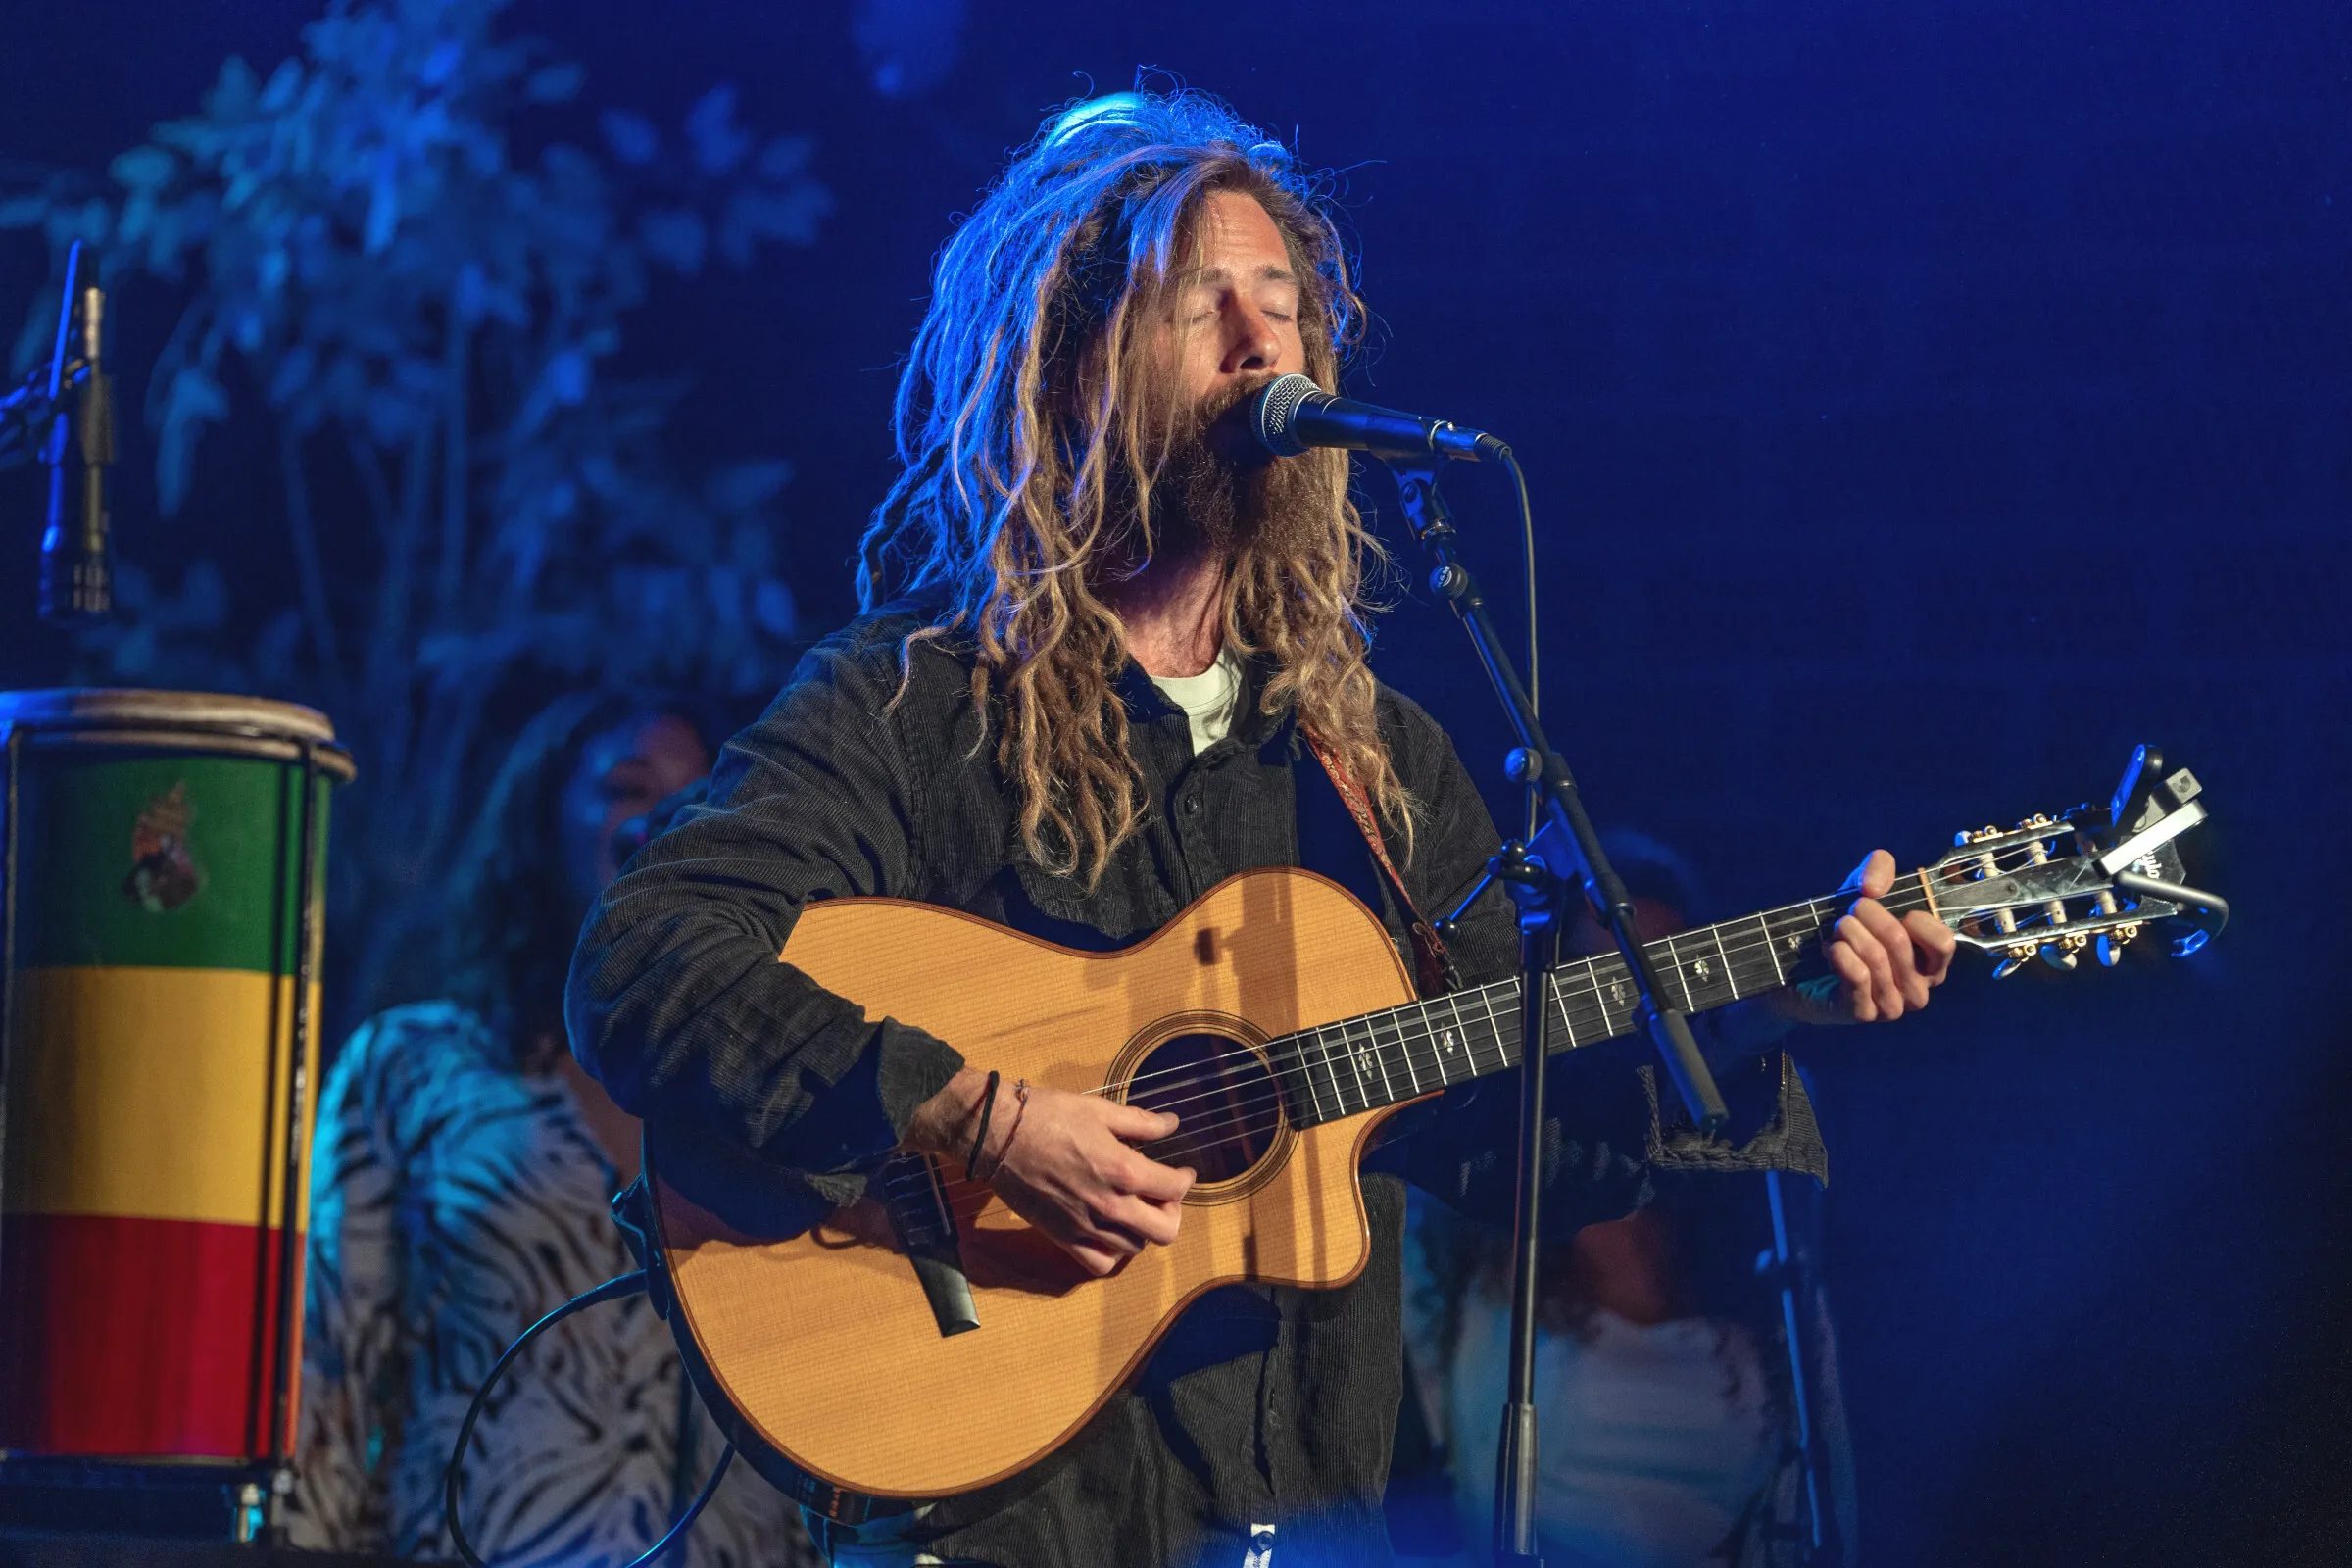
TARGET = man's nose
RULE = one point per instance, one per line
(1254, 345)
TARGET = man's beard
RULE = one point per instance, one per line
(1215, 498)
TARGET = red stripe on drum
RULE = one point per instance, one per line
(137, 1339)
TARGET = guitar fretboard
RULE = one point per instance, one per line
(1381, 1058)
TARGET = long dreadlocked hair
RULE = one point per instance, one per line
(1032, 423)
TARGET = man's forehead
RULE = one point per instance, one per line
(1240, 242)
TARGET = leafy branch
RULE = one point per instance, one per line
(428, 320)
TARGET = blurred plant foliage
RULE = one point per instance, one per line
(429, 318)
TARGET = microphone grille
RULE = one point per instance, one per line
(1277, 408)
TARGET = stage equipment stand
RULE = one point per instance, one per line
(1787, 1267)
(1537, 875)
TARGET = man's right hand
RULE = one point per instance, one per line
(1064, 1162)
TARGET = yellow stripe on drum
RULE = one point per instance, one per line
(152, 1093)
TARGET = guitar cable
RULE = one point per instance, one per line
(613, 1290)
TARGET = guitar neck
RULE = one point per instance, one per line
(1383, 1059)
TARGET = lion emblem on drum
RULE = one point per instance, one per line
(162, 873)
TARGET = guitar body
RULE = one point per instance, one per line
(827, 1348)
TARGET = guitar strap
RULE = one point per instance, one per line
(1434, 972)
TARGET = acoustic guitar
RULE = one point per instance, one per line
(924, 1341)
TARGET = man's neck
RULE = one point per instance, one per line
(1173, 611)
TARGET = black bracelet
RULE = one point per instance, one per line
(988, 1104)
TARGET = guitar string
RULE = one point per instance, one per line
(1904, 901)
(1906, 898)
(1407, 1048)
(966, 1198)
(1257, 1114)
(1417, 1040)
(1584, 1019)
(1406, 1032)
(1263, 1109)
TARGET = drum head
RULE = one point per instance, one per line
(193, 721)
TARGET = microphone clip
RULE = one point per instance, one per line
(1425, 511)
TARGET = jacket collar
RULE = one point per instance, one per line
(1145, 701)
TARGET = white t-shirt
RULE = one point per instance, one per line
(1653, 1439)
(1206, 699)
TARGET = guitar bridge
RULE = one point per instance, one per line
(925, 1225)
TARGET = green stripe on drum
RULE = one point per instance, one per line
(171, 860)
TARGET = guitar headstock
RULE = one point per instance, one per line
(2095, 877)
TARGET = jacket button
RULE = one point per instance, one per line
(1192, 805)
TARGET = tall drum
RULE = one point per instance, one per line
(159, 928)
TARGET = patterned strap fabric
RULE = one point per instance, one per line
(1433, 966)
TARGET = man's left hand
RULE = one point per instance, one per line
(1884, 967)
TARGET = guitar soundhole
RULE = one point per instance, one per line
(1224, 1100)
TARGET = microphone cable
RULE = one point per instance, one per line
(26, 415)
(613, 1290)
(1534, 673)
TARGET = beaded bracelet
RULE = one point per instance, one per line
(1020, 1095)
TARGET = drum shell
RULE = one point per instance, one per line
(158, 1099)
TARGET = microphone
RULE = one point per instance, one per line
(77, 567)
(1292, 414)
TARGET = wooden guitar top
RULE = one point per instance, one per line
(827, 1345)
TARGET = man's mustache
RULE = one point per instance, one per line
(1224, 423)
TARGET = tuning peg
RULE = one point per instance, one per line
(2058, 955)
(2065, 953)
(2014, 960)
(1989, 866)
(2112, 943)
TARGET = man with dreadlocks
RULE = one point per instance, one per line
(1095, 644)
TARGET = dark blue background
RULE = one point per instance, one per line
(1924, 405)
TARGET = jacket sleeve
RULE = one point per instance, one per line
(677, 1001)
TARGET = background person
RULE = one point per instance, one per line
(460, 1178)
(1665, 1408)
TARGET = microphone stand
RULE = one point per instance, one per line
(1537, 874)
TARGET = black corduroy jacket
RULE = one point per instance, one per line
(1265, 1405)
